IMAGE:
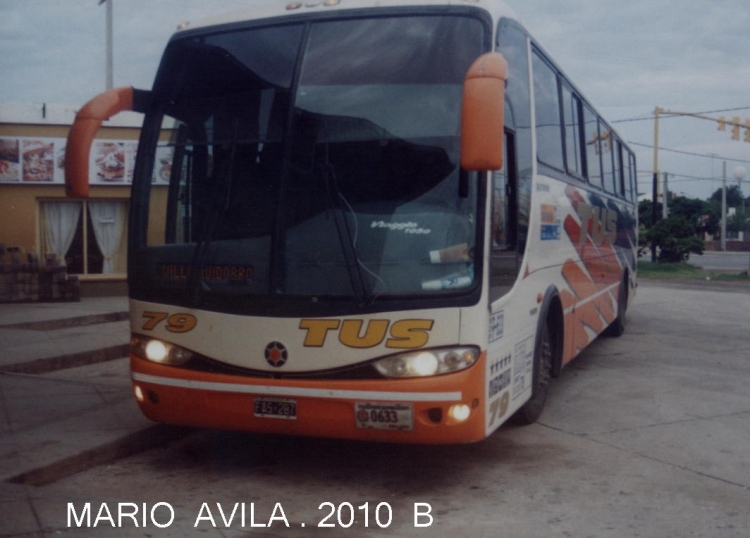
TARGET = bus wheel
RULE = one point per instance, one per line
(617, 328)
(543, 354)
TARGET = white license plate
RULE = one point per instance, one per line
(285, 408)
(384, 416)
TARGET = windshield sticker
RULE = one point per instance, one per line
(406, 227)
(453, 281)
(456, 253)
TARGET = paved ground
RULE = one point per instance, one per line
(51, 420)
(644, 436)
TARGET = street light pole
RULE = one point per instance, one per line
(109, 83)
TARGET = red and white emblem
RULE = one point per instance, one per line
(276, 354)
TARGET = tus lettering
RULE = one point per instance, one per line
(599, 222)
(402, 334)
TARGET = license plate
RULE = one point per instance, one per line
(384, 416)
(275, 408)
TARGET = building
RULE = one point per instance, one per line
(37, 219)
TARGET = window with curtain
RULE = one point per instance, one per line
(90, 235)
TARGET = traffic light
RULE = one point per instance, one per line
(736, 128)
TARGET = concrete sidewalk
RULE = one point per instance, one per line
(65, 392)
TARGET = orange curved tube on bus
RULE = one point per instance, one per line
(87, 123)
(482, 117)
(317, 416)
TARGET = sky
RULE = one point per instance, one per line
(626, 56)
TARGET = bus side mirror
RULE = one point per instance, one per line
(87, 123)
(482, 120)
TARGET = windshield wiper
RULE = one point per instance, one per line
(221, 195)
(345, 235)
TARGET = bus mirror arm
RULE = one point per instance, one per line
(87, 123)
(482, 120)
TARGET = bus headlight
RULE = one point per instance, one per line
(424, 363)
(159, 351)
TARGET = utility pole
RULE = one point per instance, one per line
(655, 189)
(724, 208)
(665, 198)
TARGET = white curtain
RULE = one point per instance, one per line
(108, 221)
(61, 220)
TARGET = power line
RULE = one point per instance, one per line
(691, 153)
(651, 117)
(687, 179)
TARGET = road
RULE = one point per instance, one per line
(722, 261)
(646, 435)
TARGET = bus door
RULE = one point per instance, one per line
(505, 259)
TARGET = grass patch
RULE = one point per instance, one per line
(684, 270)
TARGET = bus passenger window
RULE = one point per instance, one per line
(607, 148)
(572, 118)
(593, 147)
(547, 107)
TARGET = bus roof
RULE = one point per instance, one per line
(282, 8)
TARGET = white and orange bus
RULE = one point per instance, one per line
(388, 220)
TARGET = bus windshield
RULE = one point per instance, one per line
(311, 160)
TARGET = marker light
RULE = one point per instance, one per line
(138, 393)
(427, 362)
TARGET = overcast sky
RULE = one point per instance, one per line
(627, 56)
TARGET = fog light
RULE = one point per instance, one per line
(459, 412)
(138, 393)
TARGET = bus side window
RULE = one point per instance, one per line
(549, 134)
(504, 262)
(573, 132)
(514, 44)
(593, 147)
(607, 148)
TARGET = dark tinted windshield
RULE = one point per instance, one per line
(346, 185)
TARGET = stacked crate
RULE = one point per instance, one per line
(24, 279)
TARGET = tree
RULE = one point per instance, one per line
(734, 196)
(702, 215)
(645, 210)
(676, 239)
(739, 222)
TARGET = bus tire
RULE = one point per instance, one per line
(544, 353)
(617, 327)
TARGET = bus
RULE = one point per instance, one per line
(390, 220)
